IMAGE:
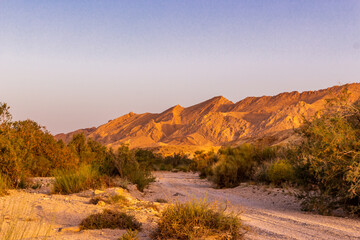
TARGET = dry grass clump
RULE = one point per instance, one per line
(197, 219)
(130, 235)
(73, 181)
(110, 219)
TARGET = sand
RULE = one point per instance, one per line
(271, 213)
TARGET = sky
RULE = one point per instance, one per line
(76, 64)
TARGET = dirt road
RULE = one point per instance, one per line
(271, 213)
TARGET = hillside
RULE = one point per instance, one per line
(216, 122)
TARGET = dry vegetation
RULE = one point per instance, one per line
(325, 165)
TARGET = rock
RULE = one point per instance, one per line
(101, 203)
(70, 229)
(97, 192)
(178, 194)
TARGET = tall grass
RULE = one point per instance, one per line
(19, 222)
(73, 181)
(196, 219)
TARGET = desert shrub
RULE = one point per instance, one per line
(261, 173)
(203, 162)
(73, 181)
(165, 167)
(328, 160)
(125, 162)
(196, 219)
(28, 149)
(39, 152)
(10, 165)
(110, 219)
(130, 235)
(234, 166)
(148, 159)
(3, 185)
(91, 152)
(280, 171)
(178, 161)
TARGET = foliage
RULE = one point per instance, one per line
(328, 160)
(130, 235)
(148, 159)
(280, 171)
(3, 185)
(28, 149)
(73, 181)
(203, 162)
(110, 219)
(178, 161)
(10, 164)
(234, 166)
(129, 168)
(196, 219)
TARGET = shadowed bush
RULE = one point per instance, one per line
(196, 219)
(129, 168)
(3, 185)
(280, 171)
(110, 219)
(234, 166)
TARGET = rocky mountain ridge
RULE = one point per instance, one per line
(217, 121)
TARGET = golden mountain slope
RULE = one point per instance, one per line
(216, 122)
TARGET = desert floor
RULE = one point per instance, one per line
(271, 213)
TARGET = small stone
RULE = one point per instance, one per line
(97, 192)
(70, 229)
(101, 203)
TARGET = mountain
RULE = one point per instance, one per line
(216, 122)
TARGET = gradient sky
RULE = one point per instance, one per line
(76, 64)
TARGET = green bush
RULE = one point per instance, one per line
(234, 166)
(73, 181)
(328, 159)
(125, 162)
(110, 219)
(203, 163)
(280, 171)
(197, 219)
(10, 165)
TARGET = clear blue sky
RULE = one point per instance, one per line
(76, 64)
